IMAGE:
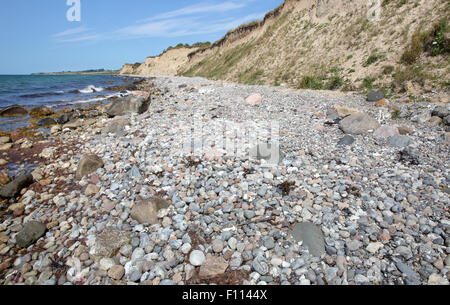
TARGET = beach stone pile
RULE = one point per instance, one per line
(354, 196)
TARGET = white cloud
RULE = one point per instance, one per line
(198, 8)
(191, 20)
(73, 31)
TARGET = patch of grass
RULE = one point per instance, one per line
(387, 70)
(311, 82)
(367, 83)
(372, 59)
(395, 114)
(335, 82)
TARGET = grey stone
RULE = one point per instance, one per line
(31, 232)
(13, 188)
(375, 96)
(312, 237)
(358, 124)
(128, 104)
(346, 140)
(260, 266)
(399, 141)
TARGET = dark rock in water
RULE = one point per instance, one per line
(13, 111)
(410, 155)
(399, 141)
(440, 111)
(312, 237)
(47, 122)
(129, 104)
(358, 124)
(375, 96)
(346, 140)
(41, 111)
(265, 151)
(64, 118)
(13, 188)
(88, 165)
(31, 232)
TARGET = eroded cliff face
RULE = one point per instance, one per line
(323, 44)
(166, 64)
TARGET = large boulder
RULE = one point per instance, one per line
(146, 211)
(128, 104)
(213, 266)
(31, 232)
(88, 164)
(13, 188)
(358, 124)
(116, 127)
(13, 111)
(41, 112)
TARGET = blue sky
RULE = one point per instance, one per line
(37, 37)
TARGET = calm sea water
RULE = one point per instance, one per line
(56, 91)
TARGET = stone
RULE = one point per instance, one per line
(48, 152)
(385, 132)
(108, 243)
(343, 111)
(374, 247)
(106, 263)
(434, 121)
(3, 162)
(13, 111)
(4, 178)
(410, 274)
(5, 139)
(311, 236)
(272, 154)
(74, 124)
(356, 124)
(346, 140)
(91, 189)
(41, 111)
(381, 103)
(196, 258)
(375, 96)
(399, 141)
(405, 130)
(254, 99)
(116, 272)
(64, 118)
(116, 127)
(55, 129)
(437, 279)
(88, 164)
(440, 112)
(212, 266)
(217, 245)
(6, 146)
(47, 122)
(13, 188)
(128, 104)
(146, 211)
(259, 265)
(353, 245)
(30, 233)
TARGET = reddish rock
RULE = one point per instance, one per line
(16, 135)
(4, 179)
(212, 267)
(381, 103)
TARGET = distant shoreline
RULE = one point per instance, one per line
(111, 72)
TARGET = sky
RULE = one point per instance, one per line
(39, 36)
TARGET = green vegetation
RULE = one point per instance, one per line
(201, 45)
(367, 83)
(433, 41)
(372, 59)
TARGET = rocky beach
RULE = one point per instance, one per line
(125, 193)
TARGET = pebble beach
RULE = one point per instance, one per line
(358, 195)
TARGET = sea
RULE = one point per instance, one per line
(54, 91)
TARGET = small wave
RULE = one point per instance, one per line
(42, 94)
(92, 100)
(91, 89)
